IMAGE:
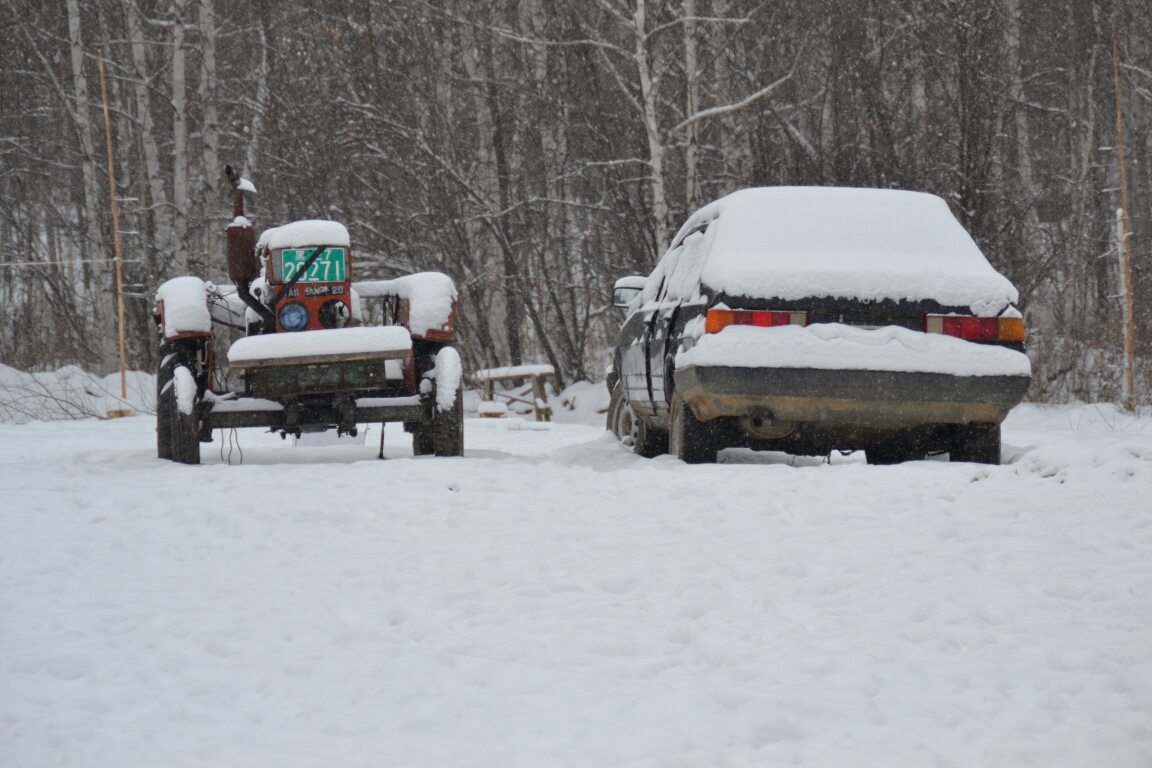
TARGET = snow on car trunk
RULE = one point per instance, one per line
(831, 346)
(793, 243)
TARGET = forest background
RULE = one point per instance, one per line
(537, 150)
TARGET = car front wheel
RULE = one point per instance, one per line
(633, 432)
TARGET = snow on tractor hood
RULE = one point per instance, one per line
(371, 340)
(300, 234)
(793, 243)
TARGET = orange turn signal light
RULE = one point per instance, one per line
(1010, 328)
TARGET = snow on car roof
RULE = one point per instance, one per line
(794, 243)
(304, 233)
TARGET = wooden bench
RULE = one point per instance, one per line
(487, 378)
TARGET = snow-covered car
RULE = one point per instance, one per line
(812, 319)
(307, 362)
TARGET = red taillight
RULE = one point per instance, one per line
(719, 319)
(976, 328)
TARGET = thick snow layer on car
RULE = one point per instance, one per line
(551, 599)
(299, 234)
(831, 346)
(338, 341)
(794, 243)
(185, 306)
(430, 298)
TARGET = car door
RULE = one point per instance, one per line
(657, 340)
(633, 362)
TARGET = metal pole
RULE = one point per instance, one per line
(1128, 396)
(115, 235)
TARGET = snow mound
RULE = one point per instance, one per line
(299, 234)
(71, 393)
(582, 402)
(831, 346)
(792, 243)
(185, 306)
(431, 298)
(338, 341)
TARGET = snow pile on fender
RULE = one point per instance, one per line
(304, 233)
(337, 341)
(430, 298)
(185, 385)
(447, 374)
(185, 306)
(831, 346)
(793, 243)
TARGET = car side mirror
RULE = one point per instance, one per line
(627, 289)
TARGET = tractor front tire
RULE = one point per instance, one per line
(447, 428)
(185, 437)
(165, 402)
(423, 441)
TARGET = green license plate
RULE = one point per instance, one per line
(330, 267)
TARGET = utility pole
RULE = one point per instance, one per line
(116, 413)
(1128, 396)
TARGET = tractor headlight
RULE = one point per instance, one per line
(294, 316)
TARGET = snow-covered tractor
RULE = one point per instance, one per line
(308, 362)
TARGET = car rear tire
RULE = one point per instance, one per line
(690, 440)
(448, 428)
(978, 443)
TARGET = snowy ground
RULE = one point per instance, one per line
(550, 600)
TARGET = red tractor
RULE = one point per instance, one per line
(308, 362)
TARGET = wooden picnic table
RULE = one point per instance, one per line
(486, 379)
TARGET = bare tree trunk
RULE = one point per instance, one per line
(161, 215)
(179, 143)
(1016, 96)
(651, 128)
(691, 76)
(257, 125)
(210, 140)
(106, 339)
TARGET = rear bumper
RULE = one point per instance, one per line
(846, 398)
